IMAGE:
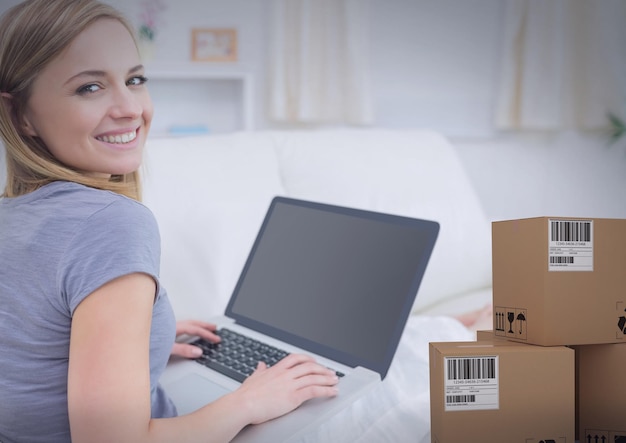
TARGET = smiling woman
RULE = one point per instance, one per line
(86, 328)
(31, 163)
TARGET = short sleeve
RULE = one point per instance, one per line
(119, 239)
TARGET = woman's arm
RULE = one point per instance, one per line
(109, 377)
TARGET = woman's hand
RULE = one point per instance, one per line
(194, 328)
(268, 392)
(271, 392)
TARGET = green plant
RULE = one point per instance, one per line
(146, 33)
(149, 18)
(618, 128)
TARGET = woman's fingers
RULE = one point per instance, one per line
(301, 370)
(197, 328)
(277, 390)
(193, 328)
(186, 350)
(274, 391)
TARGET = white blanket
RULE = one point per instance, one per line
(398, 410)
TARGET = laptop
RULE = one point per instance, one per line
(329, 281)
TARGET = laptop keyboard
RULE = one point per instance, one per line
(237, 355)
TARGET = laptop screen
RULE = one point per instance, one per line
(335, 281)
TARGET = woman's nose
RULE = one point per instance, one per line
(126, 104)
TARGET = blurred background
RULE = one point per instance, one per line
(531, 86)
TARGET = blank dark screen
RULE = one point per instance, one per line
(336, 279)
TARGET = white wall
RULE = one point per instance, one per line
(434, 63)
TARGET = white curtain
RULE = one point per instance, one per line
(563, 64)
(320, 69)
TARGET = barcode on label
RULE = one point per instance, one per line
(471, 383)
(561, 259)
(460, 399)
(471, 368)
(570, 231)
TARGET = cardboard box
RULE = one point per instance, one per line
(560, 281)
(601, 395)
(485, 335)
(488, 334)
(600, 391)
(501, 391)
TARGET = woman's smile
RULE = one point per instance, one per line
(119, 139)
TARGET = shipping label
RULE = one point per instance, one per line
(570, 245)
(471, 383)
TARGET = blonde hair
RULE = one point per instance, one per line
(31, 35)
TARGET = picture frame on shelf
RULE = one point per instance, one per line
(214, 45)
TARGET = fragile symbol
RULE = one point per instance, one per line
(621, 323)
(500, 321)
(511, 322)
(521, 318)
(596, 439)
(511, 318)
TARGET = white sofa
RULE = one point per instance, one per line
(210, 193)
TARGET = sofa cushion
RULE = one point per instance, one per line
(209, 195)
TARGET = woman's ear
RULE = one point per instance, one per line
(23, 125)
(26, 127)
(7, 100)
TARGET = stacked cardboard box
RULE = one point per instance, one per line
(601, 393)
(498, 391)
(558, 283)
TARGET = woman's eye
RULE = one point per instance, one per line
(137, 80)
(88, 89)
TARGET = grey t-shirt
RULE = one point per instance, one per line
(57, 245)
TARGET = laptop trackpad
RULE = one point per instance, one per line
(192, 392)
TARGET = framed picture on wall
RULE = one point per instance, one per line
(214, 45)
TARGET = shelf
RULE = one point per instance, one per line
(218, 98)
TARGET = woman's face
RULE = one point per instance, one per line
(90, 106)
